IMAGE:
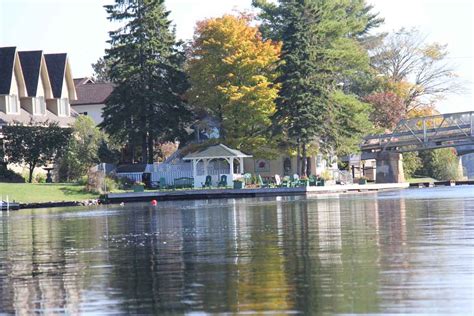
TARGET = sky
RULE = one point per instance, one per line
(80, 28)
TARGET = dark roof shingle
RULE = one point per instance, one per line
(7, 59)
(30, 66)
(93, 93)
(131, 168)
(56, 64)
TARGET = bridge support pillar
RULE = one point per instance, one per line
(389, 168)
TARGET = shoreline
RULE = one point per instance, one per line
(202, 194)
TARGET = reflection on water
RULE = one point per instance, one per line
(398, 252)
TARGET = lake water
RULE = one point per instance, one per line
(409, 251)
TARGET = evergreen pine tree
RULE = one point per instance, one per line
(146, 65)
(321, 52)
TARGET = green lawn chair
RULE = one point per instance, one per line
(208, 182)
(285, 182)
(294, 180)
(261, 183)
(162, 183)
(248, 178)
(278, 182)
(223, 182)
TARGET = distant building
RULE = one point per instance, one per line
(91, 98)
(35, 87)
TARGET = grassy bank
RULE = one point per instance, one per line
(31, 193)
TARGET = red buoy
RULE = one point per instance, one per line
(154, 202)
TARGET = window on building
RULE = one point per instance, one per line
(63, 107)
(12, 104)
(39, 106)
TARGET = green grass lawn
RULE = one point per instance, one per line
(30, 193)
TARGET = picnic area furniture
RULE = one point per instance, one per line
(207, 183)
(183, 183)
(223, 181)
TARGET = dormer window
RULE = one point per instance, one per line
(39, 106)
(12, 104)
(63, 107)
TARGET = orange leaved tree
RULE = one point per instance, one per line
(232, 72)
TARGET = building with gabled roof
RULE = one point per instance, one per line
(91, 98)
(12, 82)
(62, 84)
(35, 87)
(37, 82)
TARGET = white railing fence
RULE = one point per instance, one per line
(170, 172)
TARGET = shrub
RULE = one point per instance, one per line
(95, 182)
(82, 180)
(125, 183)
(111, 184)
(445, 164)
(326, 175)
(40, 178)
(411, 163)
(441, 164)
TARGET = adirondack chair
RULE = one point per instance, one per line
(261, 183)
(223, 181)
(248, 178)
(294, 180)
(278, 182)
(208, 182)
(162, 183)
(285, 182)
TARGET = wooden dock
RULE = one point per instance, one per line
(441, 183)
(200, 194)
(9, 206)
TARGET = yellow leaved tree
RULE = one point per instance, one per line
(231, 71)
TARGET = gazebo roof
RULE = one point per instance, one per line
(217, 151)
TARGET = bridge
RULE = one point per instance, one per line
(416, 134)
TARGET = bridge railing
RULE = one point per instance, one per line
(437, 131)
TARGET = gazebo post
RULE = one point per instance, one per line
(241, 165)
(206, 167)
(231, 164)
(195, 163)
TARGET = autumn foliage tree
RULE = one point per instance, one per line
(388, 109)
(231, 70)
(418, 71)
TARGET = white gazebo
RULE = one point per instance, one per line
(202, 166)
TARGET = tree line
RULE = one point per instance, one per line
(299, 76)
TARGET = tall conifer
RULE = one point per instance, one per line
(321, 52)
(146, 65)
